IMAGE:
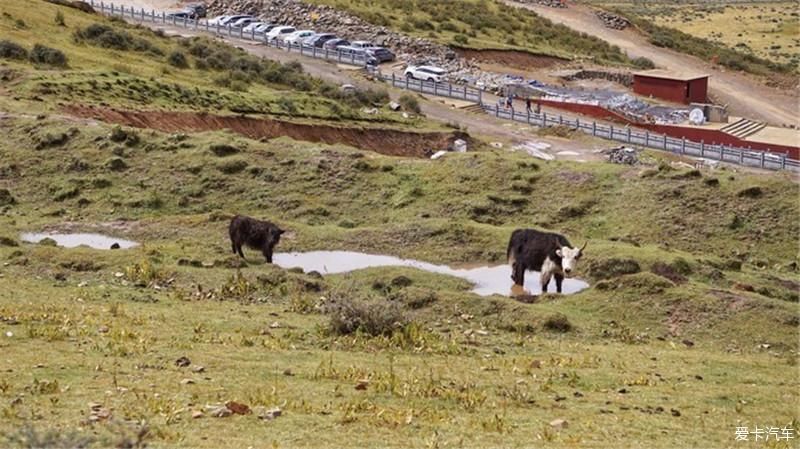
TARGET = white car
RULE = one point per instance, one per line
(243, 22)
(298, 36)
(217, 20)
(230, 19)
(426, 73)
(281, 31)
(252, 27)
(362, 44)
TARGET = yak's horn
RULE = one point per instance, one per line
(584, 246)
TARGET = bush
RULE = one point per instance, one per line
(59, 20)
(643, 63)
(222, 149)
(12, 50)
(612, 267)
(105, 36)
(557, 323)
(460, 39)
(49, 56)
(178, 59)
(372, 318)
(232, 166)
(409, 103)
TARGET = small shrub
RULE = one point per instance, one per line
(12, 50)
(222, 149)
(461, 39)
(7, 241)
(409, 103)
(668, 271)
(116, 164)
(178, 59)
(612, 267)
(6, 199)
(232, 166)
(59, 20)
(751, 192)
(373, 318)
(557, 323)
(48, 56)
(643, 63)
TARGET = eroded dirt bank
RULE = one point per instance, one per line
(385, 141)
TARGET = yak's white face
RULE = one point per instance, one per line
(569, 259)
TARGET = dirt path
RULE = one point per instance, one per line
(745, 94)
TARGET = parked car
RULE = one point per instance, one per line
(243, 22)
(179, 16)
(425, 73)
(358, 53)
(260, 28)
(217, 20)
(298, 36)
(319, 39)
(252, 26)
(230, 19)
(381, 54)
(196, 11)
(280, 31)
(362, 44)
(333, 44)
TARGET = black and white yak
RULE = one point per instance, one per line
(548, 253)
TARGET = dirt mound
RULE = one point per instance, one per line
(510, 58)
(384, 141)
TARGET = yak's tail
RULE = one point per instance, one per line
(510, 253)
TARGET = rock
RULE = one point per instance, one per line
(272, 413)
(187, 382)
(218, 411)
(197, 414)
(288, 372)
(460, 146)
(362, 384)
(103, 329)
(622, 155)
(238, 408)
(115, 246)
(675, 412)
(199, 369)
(183, 362)
(395, 106)
(688, 343)
(275, 325)
(612, 21)
(559, 423)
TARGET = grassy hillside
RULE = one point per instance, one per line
(759, 38)
(482, 24)
(689, 327)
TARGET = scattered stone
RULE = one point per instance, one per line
(103, 329)
(197, 414)
(98, 413)
(612, 21)
(183, 362)
(115, 246)
(275, 325)
(187, 382)
(622, 155)
(559, 423)
(288, 372)
(688, 343)
(272, 413)
(238, 408)
(362, 384)
(395, 106)
(199, 369)
(675, 412)
(218, 411)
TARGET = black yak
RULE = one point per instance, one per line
(548, 253)
(256, 234)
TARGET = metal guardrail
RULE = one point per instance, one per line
(734, 155)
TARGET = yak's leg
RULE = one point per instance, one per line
(559, 279)
(233, 246)
(544, 279)
(239, 250)
(518, 274)
(268, 254)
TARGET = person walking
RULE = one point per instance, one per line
(510, 102)
(528, 105)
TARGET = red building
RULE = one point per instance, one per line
(671, 86)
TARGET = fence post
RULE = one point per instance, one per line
(763, 153)
(544, 119)
(783, 162)
(393, 79)
(594, 128)
(353, 58)
(230, 30)
(665, 142)
(560, 119)
(577, 123)
(450, 90)
(301, 48)
(206, 25)
(611, 132)
(185, 21)
(407, 80)
(683, 145)
(702, 148)
(647, 138)
(253, 34)
(480, 95)
(465, 93)
(528, 111)
(628, 132)
(497, 110)
(112, 9)
(741, 157)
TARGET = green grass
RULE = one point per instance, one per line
(106, 327)
(482, 24)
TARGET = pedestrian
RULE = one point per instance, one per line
(510, 102)
(528, 105)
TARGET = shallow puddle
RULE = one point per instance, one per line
(488, 280)
(97, 241)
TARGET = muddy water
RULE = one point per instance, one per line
(488, 280)
(97, 241)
